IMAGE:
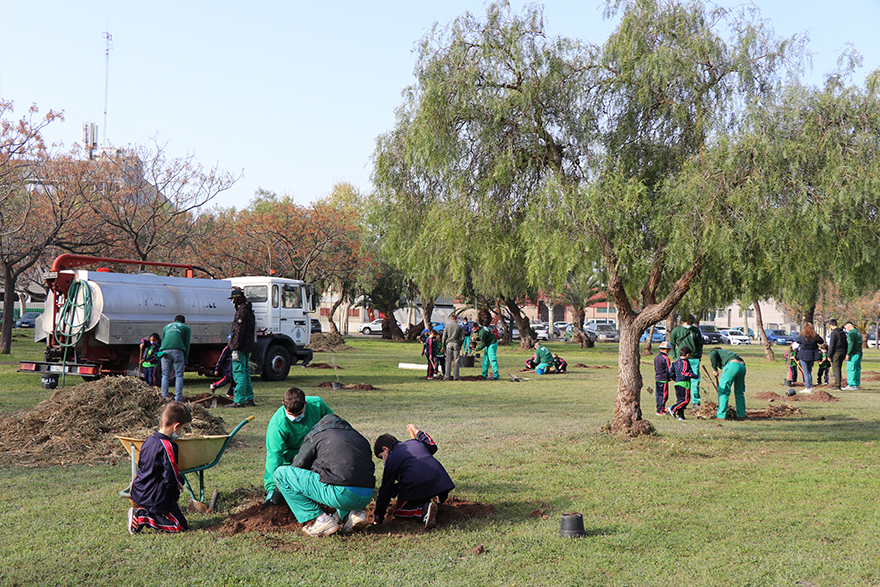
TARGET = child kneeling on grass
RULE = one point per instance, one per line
(156, 486)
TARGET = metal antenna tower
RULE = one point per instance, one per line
(109, 45)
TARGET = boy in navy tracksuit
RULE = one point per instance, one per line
(662, 376)
(156, 487)
(412, 474)
(682, 375)
(223, 369)
(559, 364)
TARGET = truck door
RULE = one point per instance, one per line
(293, 320)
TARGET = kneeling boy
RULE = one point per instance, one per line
(156, 487)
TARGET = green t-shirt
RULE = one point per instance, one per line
(284, 438)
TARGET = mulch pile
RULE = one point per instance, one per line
(78, 423)
(278, 518)
(357, 386)
(328, 343)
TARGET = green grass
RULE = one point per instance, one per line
(785, 502)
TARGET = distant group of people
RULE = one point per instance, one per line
(844, 344)
(316, 463)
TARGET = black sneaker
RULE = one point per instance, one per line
(250, 403)
(236, 405)
(230, 393)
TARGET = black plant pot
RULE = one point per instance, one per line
(572, 526)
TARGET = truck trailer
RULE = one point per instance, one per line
(95, 320)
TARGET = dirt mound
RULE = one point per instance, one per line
(328, 343)
(78, 423)
(358, 386)
(870, 376)
(582, 366)
(708, 411)
(818, 395)
(278, 518)
(322, 366)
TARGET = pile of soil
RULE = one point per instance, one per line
(357, 386)
(278, 518)
(870, 376)
(818, 395)
(322, 366)
(78, 423)
(708, 411)
(328, 343)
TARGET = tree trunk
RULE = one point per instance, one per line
(8, 307)
(627, 404)
(333, 308)
(526, 337)
(427, 313)
(810, 313)
(647, 349)
(759, 326)
(579, 333)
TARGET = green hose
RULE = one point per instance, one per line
(68, 330)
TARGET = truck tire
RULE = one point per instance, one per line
(277, 363)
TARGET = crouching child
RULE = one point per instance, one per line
(412, 474)
(156, 486)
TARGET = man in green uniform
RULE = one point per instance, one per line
(174, 353)
(678, 336)
(487, 343)
(544, 358)
(853, 357)
(287, 429)
(733, 373)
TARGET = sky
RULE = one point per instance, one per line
(290, 94)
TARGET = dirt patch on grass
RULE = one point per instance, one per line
(582, 366)
(356, 386)
(322, 366)
(818, 395)
(708, 411)
(328, 343)
(78, 423)
(870, 376)
(278, 518)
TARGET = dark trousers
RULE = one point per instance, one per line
(682, 399)
(792, 373)
(837, 368)
(662, 393)
(823, 372)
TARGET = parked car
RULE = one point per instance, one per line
(569, 333)
(542, 331)
(27, 320)
(604, 332)
(657, 337)
(872, 341)
(561, 326)
(711, 335)
(778, 336)
(371, 327)
(735, 337)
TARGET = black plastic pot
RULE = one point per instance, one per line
(572, 526)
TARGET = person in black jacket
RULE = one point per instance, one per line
(837, 352)
(808, 353)
(334, 467)
(241, 343)
(412, 474)
(156, 486)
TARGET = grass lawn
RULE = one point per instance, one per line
(755, 502)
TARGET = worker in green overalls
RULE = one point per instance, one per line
(733, 373)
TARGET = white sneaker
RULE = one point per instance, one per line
(355, 521)
(431, 514)
(318, 528)
(807, 390)
(849, 388)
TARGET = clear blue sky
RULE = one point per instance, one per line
(291, 93)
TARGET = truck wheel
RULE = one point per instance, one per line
(277, 364)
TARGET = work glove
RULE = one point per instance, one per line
(235, 356)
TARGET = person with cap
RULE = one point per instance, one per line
(241, 343)
(733, 373)
(174, 354)
(662, 376)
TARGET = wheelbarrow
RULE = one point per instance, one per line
(195, 455)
